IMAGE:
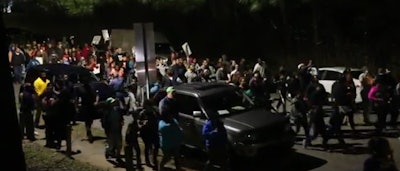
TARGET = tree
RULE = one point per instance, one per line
(11, 144)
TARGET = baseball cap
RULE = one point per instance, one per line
(170, 89)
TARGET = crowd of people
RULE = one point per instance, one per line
(159, 129)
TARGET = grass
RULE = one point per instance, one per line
(39, 158)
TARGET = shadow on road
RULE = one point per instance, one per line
(293, 161)
(303, 162)
(282, 161)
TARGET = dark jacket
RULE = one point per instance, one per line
(27, 100)
(343, 93)
(318, 96)
(149, 121)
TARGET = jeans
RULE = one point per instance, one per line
(18, 73)
(318, 123)
(114, 142)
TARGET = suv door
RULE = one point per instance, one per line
(192, 126)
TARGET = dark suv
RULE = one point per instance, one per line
(250, 129)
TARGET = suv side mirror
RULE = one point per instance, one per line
(196, 113)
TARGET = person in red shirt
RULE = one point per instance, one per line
(85, 51)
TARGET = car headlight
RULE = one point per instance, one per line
(251, 137)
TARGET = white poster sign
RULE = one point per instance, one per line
(40, 59)
(106, 35)
(186, 49)
(96, 40)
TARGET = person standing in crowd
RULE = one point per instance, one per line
(317, 97)
(216, 138)
(348, 106)
(366, 79)
(64, 111)
(168, 105)
(27, 98)
(256, 86)
(87, 108)
(132, 143)
(171, 138)
(40, 85)
(299, 114)
(343, 102)
(168, 79)
(221, 75)
(179, 71)
(191, 75)
(381, 158)
(305, 78)
(17, 61)
(48, 100)
(117, 84)
(260, 67)
(390, 84)
(148, 122)
(379, 98)
(281, 80)
(112, 123)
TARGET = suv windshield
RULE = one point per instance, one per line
(227, 102)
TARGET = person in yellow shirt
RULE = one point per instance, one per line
(40, 85)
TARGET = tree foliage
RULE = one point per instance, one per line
(85, 7)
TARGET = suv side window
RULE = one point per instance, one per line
(187, 104)
(331, 75)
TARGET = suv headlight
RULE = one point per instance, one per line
(251, 137)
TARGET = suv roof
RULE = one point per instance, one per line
(338, 69)
(201, 89)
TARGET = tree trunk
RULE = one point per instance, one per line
(11, 145)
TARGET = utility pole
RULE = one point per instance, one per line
(146, 62)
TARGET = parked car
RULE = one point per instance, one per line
(328, 75)
(250, 129)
